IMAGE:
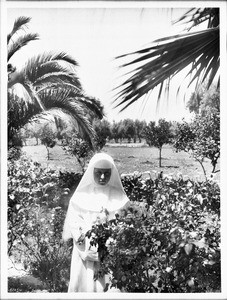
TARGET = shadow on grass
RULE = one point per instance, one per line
(168, 167)
(147, 162)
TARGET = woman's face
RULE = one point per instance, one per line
(102, 176)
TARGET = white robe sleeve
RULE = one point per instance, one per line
(74, 224)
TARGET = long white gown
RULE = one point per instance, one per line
(86, 209)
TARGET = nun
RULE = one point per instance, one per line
(99, 195)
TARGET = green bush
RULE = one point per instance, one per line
(22, 285)
(167, 240)
(173, 189)
(48, 256)
(171, 245)
(35, 222)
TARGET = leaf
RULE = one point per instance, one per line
(164, 60)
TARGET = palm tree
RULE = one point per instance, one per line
(156, 65)
(51, 87)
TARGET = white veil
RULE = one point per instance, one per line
(101, 160)
(90, 197)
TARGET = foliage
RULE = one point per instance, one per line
(14, 153)
(78, 148)
(68, 181)
(114, 131)
(48, 256)
(35, 132)
(51, 85)
(129, 129)
(158, 135)
(48, 138)
(139, 127)
(171, 245)
(156, 65)
(35, 219)
(102, 129)
(16, 112)
(201, 138)
(203, 101)
(22, 285)
(166, 240)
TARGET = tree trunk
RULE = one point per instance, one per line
(201, 164)
(48, 153)
(160, 157)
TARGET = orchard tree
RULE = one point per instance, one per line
(79, 148)
(129, 129)
(36, 132)
(139, 126)
(48, 138)
(102, 129)
(114, 131)
(200, 138)
(61, 126)
(25, 134)
(158, 135)
(121, 130)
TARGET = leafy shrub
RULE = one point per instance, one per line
(35, 220)
(47, 256)
(14, 153)
(69, 180)
(21, 285)
(171, 189)
(167, 240)
(170, 245)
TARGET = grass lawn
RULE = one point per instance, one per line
(128, 158)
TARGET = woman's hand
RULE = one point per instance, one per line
(91, 255)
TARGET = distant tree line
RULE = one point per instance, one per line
(127, 131)
(200, 137)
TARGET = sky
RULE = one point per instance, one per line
(94, 36)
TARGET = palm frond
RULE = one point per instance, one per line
(61, 100)
(164, 60)
(20, 112)
(59, 78)
(21, 42)
(93, 105)
(65, 57)
(33, 95)
(196, 16)
(51, 66)
(48, 63)
(18, 24)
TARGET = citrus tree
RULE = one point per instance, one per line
(158, 135)
(200, 138)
